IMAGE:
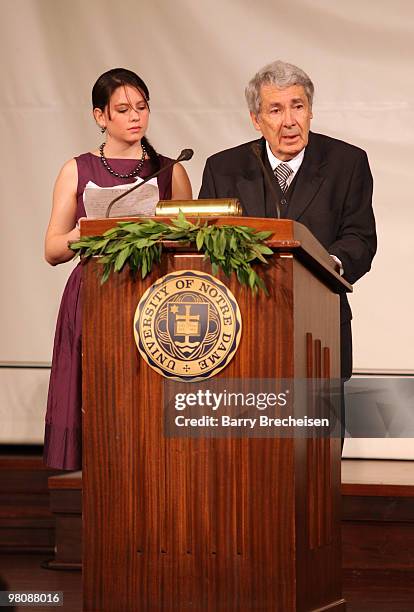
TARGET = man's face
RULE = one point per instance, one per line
(284, 119)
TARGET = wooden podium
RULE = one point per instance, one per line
(210, 524)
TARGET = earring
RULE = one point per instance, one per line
(103, 129)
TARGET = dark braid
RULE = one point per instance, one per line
(152, 154)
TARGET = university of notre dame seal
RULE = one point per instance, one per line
(187, 326)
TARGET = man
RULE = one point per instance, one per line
(324, 183)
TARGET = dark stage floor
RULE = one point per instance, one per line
(365, 591)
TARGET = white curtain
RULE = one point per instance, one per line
(196, 57)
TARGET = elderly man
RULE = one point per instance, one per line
(324, 183)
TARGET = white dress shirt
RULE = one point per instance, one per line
(294, 163)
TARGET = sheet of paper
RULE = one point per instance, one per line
(140, 203)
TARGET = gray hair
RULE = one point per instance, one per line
(282, 75)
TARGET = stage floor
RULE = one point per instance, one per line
(365, 591)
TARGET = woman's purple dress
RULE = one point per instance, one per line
(63, 430)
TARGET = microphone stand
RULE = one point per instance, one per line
(255, 147)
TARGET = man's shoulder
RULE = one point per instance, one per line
(330, 146)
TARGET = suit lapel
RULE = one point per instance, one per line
(309, 180)
(250, 186)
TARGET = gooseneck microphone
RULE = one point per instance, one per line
(257, 150)
(185, 155)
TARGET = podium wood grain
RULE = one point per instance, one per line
(207, 524)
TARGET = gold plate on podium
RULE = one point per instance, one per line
(229, 207)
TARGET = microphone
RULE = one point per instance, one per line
(185, 155)
(255, 147)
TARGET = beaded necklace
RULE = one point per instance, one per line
(135, 172)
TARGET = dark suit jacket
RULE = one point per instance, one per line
(331, 194)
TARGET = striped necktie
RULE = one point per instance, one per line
(283, 172)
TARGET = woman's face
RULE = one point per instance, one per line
(126, 116)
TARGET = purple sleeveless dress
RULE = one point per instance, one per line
(63, 429)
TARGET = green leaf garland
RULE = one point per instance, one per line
(231, 248)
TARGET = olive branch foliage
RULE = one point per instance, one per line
(231, 248)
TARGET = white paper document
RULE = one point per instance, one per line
(139, 203)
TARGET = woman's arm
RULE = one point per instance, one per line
(181, 186)
(62, 224)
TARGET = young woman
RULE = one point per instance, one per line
(120, 102)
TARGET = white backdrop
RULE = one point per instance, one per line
(196, 57)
